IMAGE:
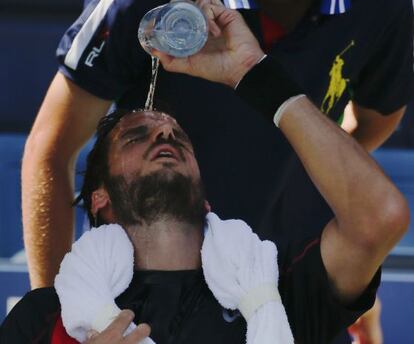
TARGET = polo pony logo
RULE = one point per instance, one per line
(337, 83)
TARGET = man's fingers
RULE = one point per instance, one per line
(205, 6)
(219, 17)
(121, 322)
(212, 26)
(170, 63)
(224, 16)
(91, 334)
(200, 3)
(137, 335)
(214, 9)
(165, 59)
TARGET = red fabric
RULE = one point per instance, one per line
(60, 336)
(272, 31)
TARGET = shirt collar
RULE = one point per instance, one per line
(335, 6)
(328, 7)
(240, 4)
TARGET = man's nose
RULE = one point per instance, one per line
(164, 131)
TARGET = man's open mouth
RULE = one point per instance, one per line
(164, 151)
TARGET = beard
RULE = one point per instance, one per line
(157, 196)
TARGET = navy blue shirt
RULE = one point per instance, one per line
(364, 54)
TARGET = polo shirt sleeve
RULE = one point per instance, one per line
(315, 313)
(387, 81)
(101, 53)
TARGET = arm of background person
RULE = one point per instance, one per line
(66, 120)
(370, 128)
(367, 329)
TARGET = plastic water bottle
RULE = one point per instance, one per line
(178, 28)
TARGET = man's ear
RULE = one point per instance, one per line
(100, 201)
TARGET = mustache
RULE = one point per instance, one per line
(170, 141)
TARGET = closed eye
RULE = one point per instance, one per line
(133, 135)
(136, 139)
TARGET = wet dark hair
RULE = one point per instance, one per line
(97, 170)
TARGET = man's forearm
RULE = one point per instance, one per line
(47, 194)
(343, 172)
(66, 120)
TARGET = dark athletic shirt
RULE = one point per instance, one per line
(181, 309)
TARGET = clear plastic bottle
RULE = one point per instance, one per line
(178, 28)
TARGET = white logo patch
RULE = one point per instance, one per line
(94, 54)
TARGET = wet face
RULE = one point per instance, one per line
(153, 171)
(146, 142)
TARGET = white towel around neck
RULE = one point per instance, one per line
(99, 268)
(239, 268)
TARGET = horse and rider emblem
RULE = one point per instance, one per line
(337, 83)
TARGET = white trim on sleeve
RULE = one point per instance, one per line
(341, 6)
(333, 4)
(86, 33)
